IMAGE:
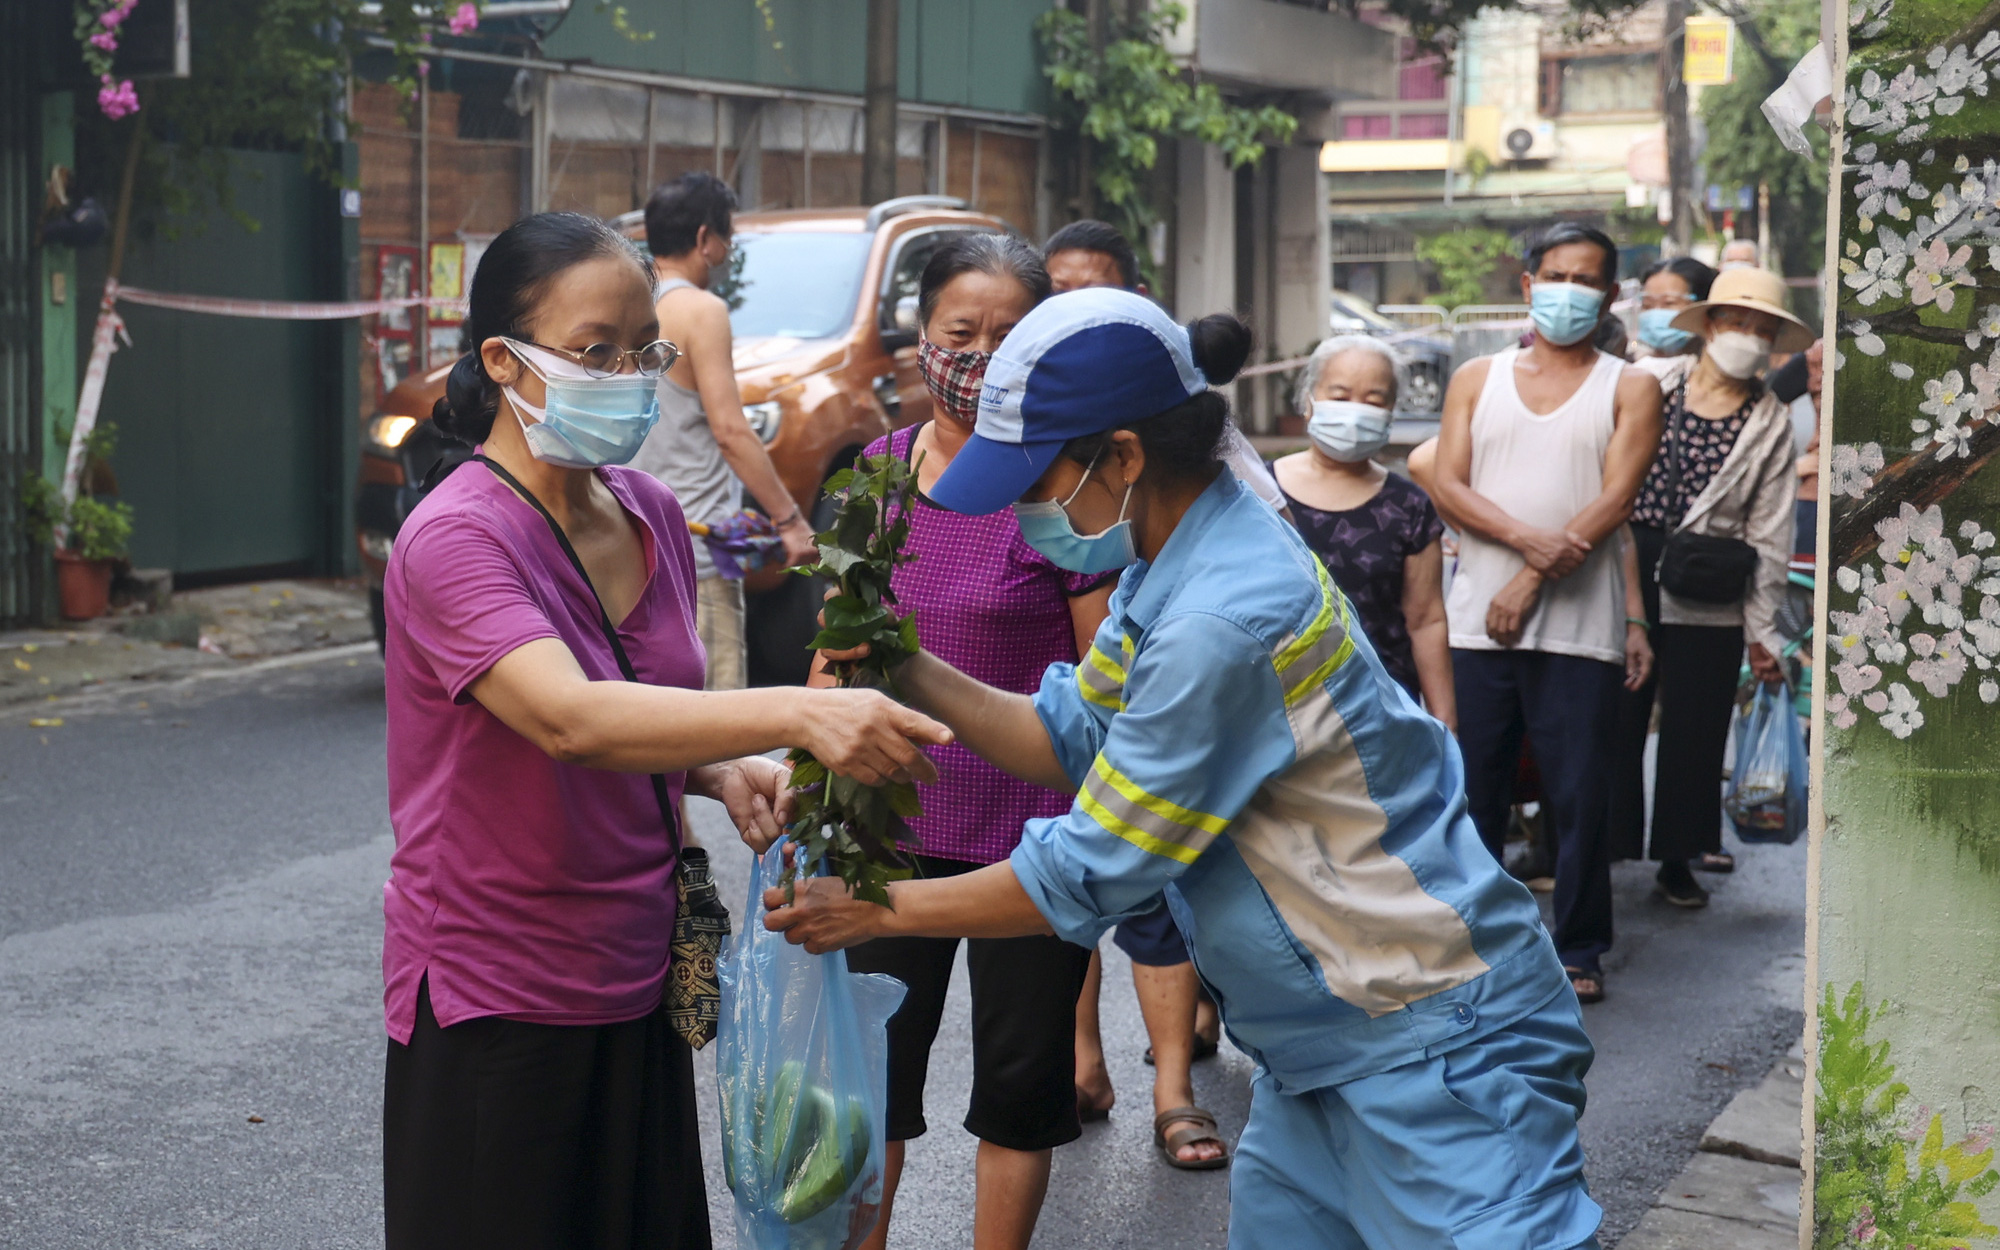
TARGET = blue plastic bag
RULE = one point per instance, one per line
(1767, 787)
(803, 1066)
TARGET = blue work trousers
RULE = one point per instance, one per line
(1473, 1149)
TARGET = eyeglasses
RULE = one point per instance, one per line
(604, 360)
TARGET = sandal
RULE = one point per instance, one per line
(1714, 861)
(1204, 1048)
(1202, 1128)
(1588, 984)
(1088, 1111)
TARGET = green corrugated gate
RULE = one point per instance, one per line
(20, 304)
(234, 434)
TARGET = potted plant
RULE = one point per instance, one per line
(97, 536)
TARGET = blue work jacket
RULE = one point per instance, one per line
(1237, 745)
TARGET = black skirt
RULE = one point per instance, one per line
(500, 1134)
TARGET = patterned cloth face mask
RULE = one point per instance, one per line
(954, 378)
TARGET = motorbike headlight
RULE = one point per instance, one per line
(388, 433)
(765, 418)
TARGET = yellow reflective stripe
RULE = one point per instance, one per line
(1132, 833)
(1101, 680)
(1331, 651)
(1322, 648)
(1147, 821)
(1290, 653)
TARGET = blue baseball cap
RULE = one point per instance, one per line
(1080, 363)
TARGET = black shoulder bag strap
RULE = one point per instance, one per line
(694, 995)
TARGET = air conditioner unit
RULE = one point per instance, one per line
(1527, 138)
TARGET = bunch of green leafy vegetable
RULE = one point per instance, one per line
(857, 829)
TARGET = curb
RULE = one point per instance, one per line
(1743, 1188)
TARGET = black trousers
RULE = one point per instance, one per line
(1696, 669)
(504, 1135)
(1023, 1029)
(1565, 706)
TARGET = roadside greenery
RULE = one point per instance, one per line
(1742, 149)
(857, 829)
(1130, 95)
(1462, 260)
(1881, 1177)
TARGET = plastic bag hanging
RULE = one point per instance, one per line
(803, 1070)
(1767, 786)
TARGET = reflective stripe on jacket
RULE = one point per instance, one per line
(1237, 743)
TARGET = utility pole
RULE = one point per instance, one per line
(1680, 157)
(878, 146)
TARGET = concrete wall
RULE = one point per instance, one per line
(1291, 47)
(1907, 880)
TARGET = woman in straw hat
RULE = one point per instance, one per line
(1717, 506)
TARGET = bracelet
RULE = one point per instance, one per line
(1641, 622)
(778, 525)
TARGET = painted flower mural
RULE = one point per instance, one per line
(1907, 888)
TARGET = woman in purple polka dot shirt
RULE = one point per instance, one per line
(991, 606)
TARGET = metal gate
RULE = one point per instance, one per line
(20, 305)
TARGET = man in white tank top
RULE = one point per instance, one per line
(703, 447)
(1540, 456)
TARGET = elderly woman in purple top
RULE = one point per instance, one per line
(988, 603)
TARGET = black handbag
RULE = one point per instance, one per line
(1706, 568)
(701, 922)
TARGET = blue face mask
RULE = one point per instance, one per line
(1348, 430)
(588, 422)
(1047, 528)
(1564, 312)
(1656, 330)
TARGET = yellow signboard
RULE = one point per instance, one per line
(447, 278)
(1710, 41)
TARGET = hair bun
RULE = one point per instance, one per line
(1220, 343)
(462, 411)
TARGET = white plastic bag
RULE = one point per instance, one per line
(803, 1066)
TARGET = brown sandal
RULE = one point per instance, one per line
(1204, 1129)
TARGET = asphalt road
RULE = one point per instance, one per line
(190, 1028)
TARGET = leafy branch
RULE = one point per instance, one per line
(1129, 95)
(854, 828)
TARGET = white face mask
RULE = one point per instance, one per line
(1738, 354)
(1348, 430)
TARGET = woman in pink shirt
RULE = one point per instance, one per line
(536, 1095)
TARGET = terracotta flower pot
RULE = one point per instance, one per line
(83, 587)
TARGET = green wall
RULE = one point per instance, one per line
(59, 321)
(1907, 887)
(973, 53)
(237, 436)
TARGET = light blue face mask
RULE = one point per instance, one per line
(1348, 430)
(1564, 312)
(1047, 528)
(588, 422)
(1656, 330)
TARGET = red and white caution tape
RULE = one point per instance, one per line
(111, 327)
(279, 310)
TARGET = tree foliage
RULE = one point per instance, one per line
(1742, 149)
(1130, 96)
(853, 828)
(1462, 260)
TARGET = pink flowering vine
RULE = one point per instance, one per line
(118, 100)
(465, 20)
(97, 23)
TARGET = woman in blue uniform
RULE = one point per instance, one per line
(1234, 742)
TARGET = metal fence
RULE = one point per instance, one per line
(1416, 316)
